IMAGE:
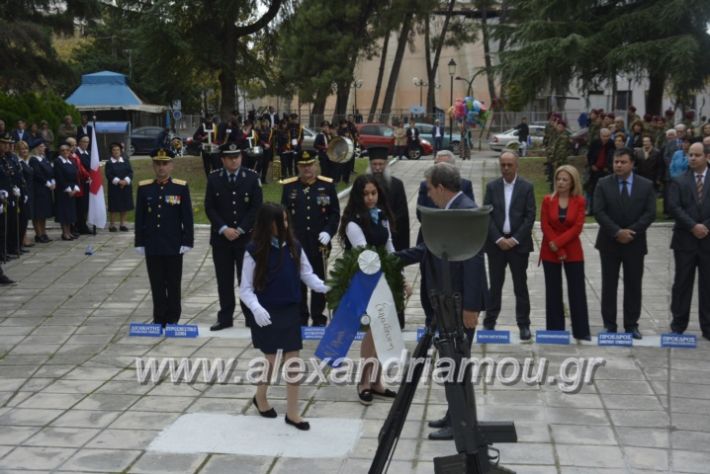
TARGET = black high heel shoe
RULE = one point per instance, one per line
(302, 425)
(64, 237)
(270, 413)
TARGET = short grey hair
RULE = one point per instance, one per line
(680, 127)
(509, 152)
(670, 132)
(447, 155)
(446, 175)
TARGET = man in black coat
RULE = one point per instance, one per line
(689, 204)
(164, 233)
(510, 240)
(624, 207)
(396, 196)
(82, 203)
(232, 198)
(313, 204)
(468, 277)
(600, 158)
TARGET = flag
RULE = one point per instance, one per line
(97, 206)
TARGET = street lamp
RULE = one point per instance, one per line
(419, 83)
(469, 91)
(357, 83)
(452, 73)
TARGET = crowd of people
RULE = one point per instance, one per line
(41, 181)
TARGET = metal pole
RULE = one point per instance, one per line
(421, 85)
(451, 115)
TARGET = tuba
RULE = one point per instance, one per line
(340, 150)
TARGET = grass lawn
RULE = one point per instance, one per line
(533, 169)
(190, 169)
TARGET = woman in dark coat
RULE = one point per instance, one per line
(66, 191)
(23, 151)
(119, 175)
(42, 192)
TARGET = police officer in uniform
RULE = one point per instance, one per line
(232, 198)
(11, 168)
(163, 233)
(315, 213)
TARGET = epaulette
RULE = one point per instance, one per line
(216, 171)
(290, 180)
(326, 179)
(180, 182)
(146, 182)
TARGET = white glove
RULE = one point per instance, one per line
(26, 198)
(327, 288)
(140, 251)
(184, 249)
(262, 317)
(2, 208)
(3, 194)
(16, 191)
(49, 184)
(324, 238)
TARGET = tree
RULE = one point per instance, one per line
(26, 49)
(557, 41)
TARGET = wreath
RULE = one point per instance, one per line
(346, 266)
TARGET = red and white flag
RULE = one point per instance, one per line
(97, 205)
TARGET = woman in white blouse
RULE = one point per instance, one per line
(274, 266)
(366, 221)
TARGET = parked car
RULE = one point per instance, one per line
(498, 141)
(143, 140)
(375, 134)
(426, 131)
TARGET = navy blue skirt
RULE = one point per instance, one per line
(283, 333)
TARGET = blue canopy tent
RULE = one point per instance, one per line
(107, 96)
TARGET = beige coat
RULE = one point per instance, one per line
(400, 136)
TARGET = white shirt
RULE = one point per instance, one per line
(508, 193)
(357, 237)
(246, 288)
(436, 131)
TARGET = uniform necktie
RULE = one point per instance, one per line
(624, 190)
(232, 178)
(699, 186)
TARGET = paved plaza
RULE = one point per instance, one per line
(70, 400)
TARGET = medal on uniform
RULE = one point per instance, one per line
(246, 198)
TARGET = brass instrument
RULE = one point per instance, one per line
(340, 150)
(276, 169)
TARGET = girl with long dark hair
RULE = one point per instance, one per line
(367, 221)
(274, 266)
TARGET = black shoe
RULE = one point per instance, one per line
(220, 326)
(386, 394)
(706, 336)
(611, 330)
(440, 423)
(584, 338)
(38, 239)
(301, 425)
(45, 239)
(320, 322)
(75, 235)
(635, 333)
(444, 434)
(64, 237)
(365, 397)
(4, 280)
(24, 250)
(112, 228)
(123, 228)
(270, 413)
(489, 326)
(525, 333)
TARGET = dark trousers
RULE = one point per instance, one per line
(632, 263)
(287, 164)
(12, 229)
(317, 307)
(438, 144)
(82, 210)
(262, 165)
(228, 257)
(498, 260)
(165, 275)
(682, 293)
(554, 308)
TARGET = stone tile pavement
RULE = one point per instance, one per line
(70, 402)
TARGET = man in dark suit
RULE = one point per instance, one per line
(82, 151)
(20, 133)
(510, 240)
(394, 191)
(84, 130)
(437, 134)
(600, 159)
(689, 204)
(164, 232)
(624, 207)
(423, 199)
(232, 198)
(468, 277)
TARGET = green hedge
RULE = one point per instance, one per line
(35, 107)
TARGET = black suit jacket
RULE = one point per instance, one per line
(683, 205)
(521, 213)
(423, 198)
(233, 205)
(612, 216)
(164, 220)
(593, 153)
(467, 277)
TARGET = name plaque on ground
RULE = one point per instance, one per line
(682, 341)
(145, 330)
(552, 337)
(314, 333)
(181, 330)
(492, 337)
(622, 339)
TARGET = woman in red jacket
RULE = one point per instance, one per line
(562, 220)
